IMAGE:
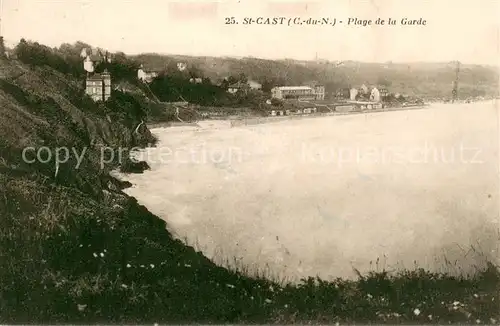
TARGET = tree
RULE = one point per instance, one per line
(194, 71)
(267, 85)
(79, 46)
(224, 84)
(39, 55)
(242, 78)
(2, 47)
(121, 68)
(171, 69)
(276, 102)
(120, 56)
(232, 80)
(384, 81)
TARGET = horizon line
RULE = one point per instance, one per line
(331, 61)
(238, 57)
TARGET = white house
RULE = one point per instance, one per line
(353, 92)
(375, 95)
(88, 65)
(196, 80)
(238, 87)
(146, 76)
(181, 66)
(141, 74)
(254, 85)
(293, 92)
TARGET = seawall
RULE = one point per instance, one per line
(260, 120)
(231, 122)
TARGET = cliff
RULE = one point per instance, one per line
(73, 246)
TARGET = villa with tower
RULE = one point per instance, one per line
(97, 85)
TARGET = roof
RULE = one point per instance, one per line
(95, 77)
(99, 77)
(293, 88)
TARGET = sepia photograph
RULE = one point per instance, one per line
(249, 162)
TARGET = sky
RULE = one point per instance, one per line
(464, 30)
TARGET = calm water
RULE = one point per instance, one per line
(321, 196)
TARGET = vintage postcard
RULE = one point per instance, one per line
(249, 162)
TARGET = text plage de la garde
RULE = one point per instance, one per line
(324, 21)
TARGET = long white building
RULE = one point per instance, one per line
(299, 92)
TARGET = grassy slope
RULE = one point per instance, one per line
(74, 248)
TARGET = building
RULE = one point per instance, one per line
(98, 86)
(10, 54)
(383, 92)
(95, 55)
(278, 112)
(88, 65)
(243, 87)
(92, 57)
(238, 87)
(342, 93)
(146, 76)
(363, 89)
(319, 91)
(196, 80)
(299, 92)
(254, 85)
(293, 92)
(353, 92)
(181, 66)
(298, 110)
(375, 95)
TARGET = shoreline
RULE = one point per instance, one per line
(261, 120)
(253, 120)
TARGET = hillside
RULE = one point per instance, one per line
(428, 80)
(75, 249)
(73, 246)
